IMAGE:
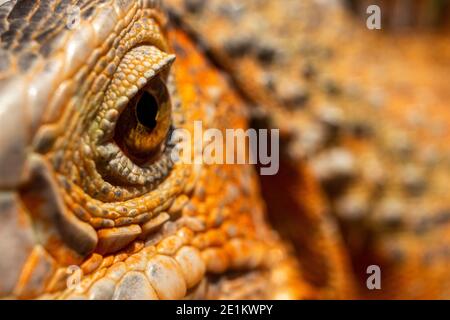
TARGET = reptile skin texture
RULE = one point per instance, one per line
(93, 206)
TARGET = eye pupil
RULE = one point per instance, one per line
(147, 110)
(144, 124)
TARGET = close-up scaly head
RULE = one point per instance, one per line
(89, 164)
(224, 149)
(91, 191)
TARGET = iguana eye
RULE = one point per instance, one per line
(132, 126)
(144, 124)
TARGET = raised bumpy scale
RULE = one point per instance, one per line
(92, 205)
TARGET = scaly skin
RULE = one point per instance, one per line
(73, 193)
(71, 197)
(364, 112)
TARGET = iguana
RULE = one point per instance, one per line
(92, 206)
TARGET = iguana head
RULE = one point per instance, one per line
(90, 97)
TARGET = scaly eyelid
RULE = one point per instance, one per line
(135, 70)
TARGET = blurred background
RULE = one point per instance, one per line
(405, 15)
(364, 118)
